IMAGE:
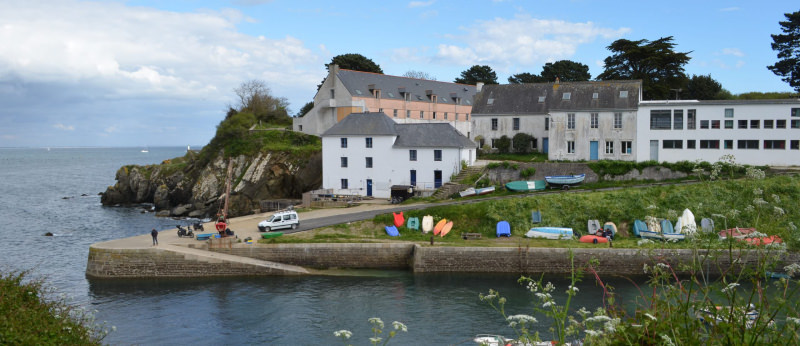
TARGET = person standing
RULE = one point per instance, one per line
(154, 233)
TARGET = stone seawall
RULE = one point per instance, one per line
(293, 259)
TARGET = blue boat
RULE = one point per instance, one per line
(550, 233)
(503, 229)
(565, 180)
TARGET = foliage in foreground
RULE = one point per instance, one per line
(377, 330)
(28, 317)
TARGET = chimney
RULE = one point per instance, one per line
(479, 86)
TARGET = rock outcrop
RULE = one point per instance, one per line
(188, 190)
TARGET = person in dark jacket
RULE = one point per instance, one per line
(154, 234)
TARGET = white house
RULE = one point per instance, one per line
(755, 132)
(404, 100)
(366, 153)
(570, 120)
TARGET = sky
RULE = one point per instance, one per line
(144, 73)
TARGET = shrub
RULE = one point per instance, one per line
(522, 143)
(503, 144)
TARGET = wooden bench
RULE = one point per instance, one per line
(467, 236)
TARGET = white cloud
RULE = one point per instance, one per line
(732, 51)
(505, 43)
(140, 51)
(64, 127)
(111, 129)
(414, 4)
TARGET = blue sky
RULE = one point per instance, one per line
(149, 73)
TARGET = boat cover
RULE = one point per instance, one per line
(503, 229)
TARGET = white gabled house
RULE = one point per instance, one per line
(755, 132)
(366, 153)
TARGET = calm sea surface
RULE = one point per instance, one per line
(57, 190)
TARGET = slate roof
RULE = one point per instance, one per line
(430, 135)
(420, 135)
(525, 98)
(375, 124)
(358, 84)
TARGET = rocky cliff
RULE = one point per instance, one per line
(185, 187)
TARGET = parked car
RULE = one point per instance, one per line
(279, 220)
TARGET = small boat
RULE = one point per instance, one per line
(446, 229)
(520, 185)
(484, 190)
(503, 229)
(593, 239)
(653, 229)
(773, 239)
(270, 235)
(427, 223)
(565, 180)
(550, 233)
(707, 225)
(736, 232)
(399, 220)
(639, 227)
(392, 231)
(439, 225)
(610, 226)
(413, 223)
(668, 232)
(468, 192)
(593, 226)
(536, 216)
(686, 223)
(204, 236)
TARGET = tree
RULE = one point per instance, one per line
(503, 144)
(788, 47)
(356, 62)
(565, 71)
(524, 77)
(306, 108)
(477, 74)
(418, 75)
(255, 98)
(703, 88)
(522, 143)
(656, 63)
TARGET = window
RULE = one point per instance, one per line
(380, 110)
(742, 124)
(547, 124)
(456, 117)
(595, 96)
(691, 144)
(660, 119)
(780, 124)
(747, 144)
(728, 124)
(728, 144)
(774, 144)
(796, 112)
(709, 144)
(704, 124)
(344, 161)
(768, 124)
(541, 99)
(677, 119)
(377, 93)
(623, 94)
(571, 121)
(344, 183)
(566, 96)
(795, 124)
(617, 120)
(368, 141)
(794, 144)
(714, 124)
(494, 124)
(434, 115)
(395, 113)
(422, 114)
(570, 147)
(609, 147)
(369, 162)
(494, 145)
(533, 144)
(408, 114)
(672, 144)
(627, 147)
(594, 120)
(729, 112)
(445, 115)
(437, 155)
(333, 93)
(412, 155)
(516, 124)
(344, 142)
(466, 117)
(691, 119)
(754, 123)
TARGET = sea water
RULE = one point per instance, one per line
(56, 191)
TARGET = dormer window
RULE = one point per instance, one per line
(566, 96)
(376, 93)
(595, 96)
(490, 101)
(623, 94)
(541, 99)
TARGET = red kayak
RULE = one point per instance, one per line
(399, 220)
(593, 239)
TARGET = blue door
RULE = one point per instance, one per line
(369, 187)
(413, 177)
(437, 179)
(545, 145)
(593, 150)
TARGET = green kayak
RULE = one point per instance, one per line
(520, 185)
(270, 235)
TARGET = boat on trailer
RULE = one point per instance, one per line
(564, 181)
(550, 233)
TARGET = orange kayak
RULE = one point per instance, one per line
(593, 239)
(439, 226)
(399, 220)
(447, 227)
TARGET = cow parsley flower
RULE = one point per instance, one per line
(345, 334)
(731, 286)
(650, 316)
(399, 326)
(793, 320)
(521, 319)
(792, 269)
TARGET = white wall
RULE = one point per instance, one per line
(779, 110)
(583, 134)
(529, 124)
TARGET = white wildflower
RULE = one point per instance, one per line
(572, 288)
(662, 265)
(776, 198)
(792, 226)
(652, 206)
(593, 333)
(611, 326)
(582, 311)
(650, 316)
(399, 326)
(758, 192)
(730, 287)
(644, 241)
(343, 334)
(522, 318)
(760, 201)
(755, 234)
(376, 321)
(778, 211)
(549, 287)
(734, 213)
(776, 246)
(547, 304)
(793, 320)
(600, 318)
(543, 296)
(667, 340)
(755, 173)
(792, 269)
(749, 208)
(375, 340)
(719, 216)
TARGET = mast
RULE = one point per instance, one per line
(227, 190)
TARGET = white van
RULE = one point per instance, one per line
(281, 219)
